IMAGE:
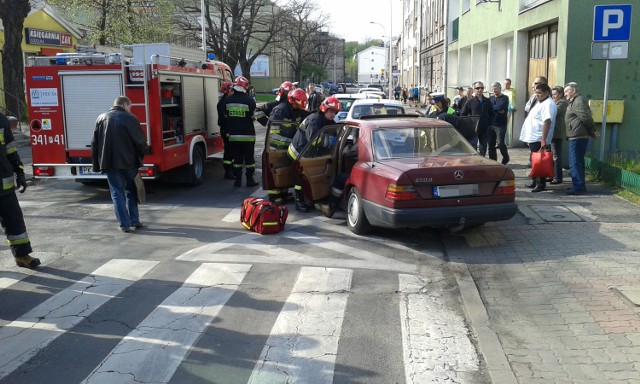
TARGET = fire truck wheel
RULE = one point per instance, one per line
(196, 170)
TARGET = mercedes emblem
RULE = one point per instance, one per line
(458, 174)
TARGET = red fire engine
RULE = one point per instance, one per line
(173, 97)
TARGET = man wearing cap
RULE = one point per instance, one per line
(479, 106)
(498, 128)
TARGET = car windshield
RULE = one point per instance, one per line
(419, 142)
(345, 104)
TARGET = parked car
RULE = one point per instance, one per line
(376, 86)
(347, 99)
(372, 91)
(375, 107)
(409, 172)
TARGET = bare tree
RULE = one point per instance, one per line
(112, 22)
(238, 31)
(13, 13)
(303, 43)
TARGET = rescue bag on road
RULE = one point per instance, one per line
(263, 217)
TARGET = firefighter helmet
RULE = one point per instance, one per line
(225, 87)
(330, 103)
(241, 84)
(285, 87)
(298, 97)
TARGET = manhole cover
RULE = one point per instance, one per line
(555, 213)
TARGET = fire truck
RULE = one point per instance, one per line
(174, 94)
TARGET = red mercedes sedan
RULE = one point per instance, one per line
(398, 172)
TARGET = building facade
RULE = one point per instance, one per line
(372, 64)
(522, 39)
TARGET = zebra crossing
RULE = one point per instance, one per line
(296, 308)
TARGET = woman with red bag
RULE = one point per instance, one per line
(537, 132)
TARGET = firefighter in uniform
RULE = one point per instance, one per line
(10, 211)
(263, 111)
(238, 116)
(312, 124)
(226, 89)
(281, 133)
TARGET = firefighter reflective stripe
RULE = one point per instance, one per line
(227, 162)
(22, 238)
(293, 153)
(297, 187)
(336, 191)
(237, 110)
(277, 141)
(273, 191)
(251, 166)
(8, 183)
(242, 138)
(11, 148)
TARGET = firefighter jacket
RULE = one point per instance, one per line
(9, 158)
(221, 120)
(238, 114)
(118, 141)
(284, 123)
(263, 111)
(312, 124)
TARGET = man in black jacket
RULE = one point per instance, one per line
(479, 106)
(10, 211)
(117, 148)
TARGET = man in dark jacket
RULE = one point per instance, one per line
(580, 126)
(498, 127)
(239, 110)
(10, 212)
(117, 149)
(479, 106)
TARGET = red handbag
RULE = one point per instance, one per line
(263, 216)
(541, 164)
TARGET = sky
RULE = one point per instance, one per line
(350, 19)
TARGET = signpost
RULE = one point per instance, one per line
(611, 33)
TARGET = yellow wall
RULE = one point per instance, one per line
(37, 20)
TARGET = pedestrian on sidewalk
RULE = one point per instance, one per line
(480, 106)
(537, 130)
(580, 126)
(558, 133)
(117, 150)
(498, 127)
(11, 216)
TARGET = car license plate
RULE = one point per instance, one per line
(455, 190)
(88, 170)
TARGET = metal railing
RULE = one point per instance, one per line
(22, 107)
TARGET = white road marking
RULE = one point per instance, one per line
(435, 340)
(7, 282)
(23, 338)
(153, 351)
(303, 343)
(269, 253)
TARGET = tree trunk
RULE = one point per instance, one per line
(13, 13)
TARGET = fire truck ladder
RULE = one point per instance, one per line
(143, 67)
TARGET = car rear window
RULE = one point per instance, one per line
(376, 110)
(394, 143)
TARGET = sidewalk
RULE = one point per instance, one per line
(559, 283)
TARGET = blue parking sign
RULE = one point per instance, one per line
(612, 22)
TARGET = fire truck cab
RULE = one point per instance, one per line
(174, 94)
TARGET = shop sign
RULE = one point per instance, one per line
(43, 37)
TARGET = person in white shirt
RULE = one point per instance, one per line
(537, 130)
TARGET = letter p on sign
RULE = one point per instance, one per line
(612, 22)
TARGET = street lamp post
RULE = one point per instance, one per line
(389, 60)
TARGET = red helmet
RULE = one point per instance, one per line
(285, 87)
(241, 81)
(330, 103)
(298, 97)
(225, 87)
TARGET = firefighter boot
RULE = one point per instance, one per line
(27, 261)
(251, 182)
(237, 175)
(301, 206)
(227, 172)
(328, 208)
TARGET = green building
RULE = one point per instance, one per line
(493, 40)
